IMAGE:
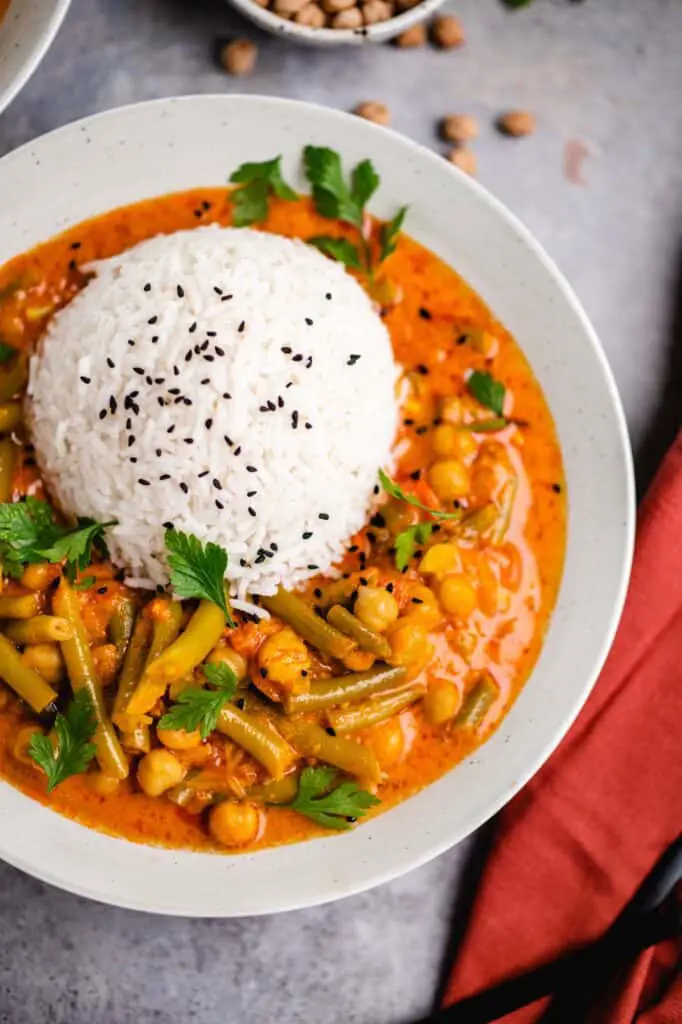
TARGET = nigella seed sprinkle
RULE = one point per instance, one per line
(206, 380)
(176, 371)
(328, 296)
(307, 535)
(209, 359)
(251, 469)
(251, 494)
(309, 321)
(298, 358)
(280, 401)
(238, 450)
(133, 459)
(226, 395)
(110, 363)
(308, 426)
(352, 359)
(204, 346)
(168, 525)
(226, 298)
(203, 473)
(323, 515)
(148, 380)
(262, 408)
(219, 351)
(424, 313)
(141, 480)
(252, 511)
(208, 423)
(173, 391)
(159, 453)
(294, 419)
(147, 287)
(217, 484)
(197, 350)
(217, 290)
(184, 488)
(139, 370)
(131, 440)
(211, 334)
(290, 384)
(286, 350)
(415, 474)
(159, 380)
(271, 406)
(193, 327)
(227, 440)
(308, 362)
(86, 380)
(421, 430)
(242, 326)
(163, 478)
(181, 291)
(129, 424)
(219, 505)
(131, 342)
(113, 405)
(423, 369)
(103, 414)
(152, 319)
(75, 245)
(171, 429)
(188, 356)
(189, 440)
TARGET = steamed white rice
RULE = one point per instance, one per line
(233, 383)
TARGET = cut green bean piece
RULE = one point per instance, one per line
(43, 629)
(121, 627)
(347, 720)
(263, 743)
(307, 624)
(477, 703)
(283, 791)
(22, 606)
(348, 689)
(13, 378)
(10, 416)
(133, 663)
(312, 740)
(366, 638)
(7, 460)
(25, 682)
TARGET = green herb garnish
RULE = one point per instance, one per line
(338, 199)
(29, 534)
(74, 751)
(259, 182)
(408, 540)
(394, 491)
(197, 570)
(488, 391)
(199, 708)
(331, 806)
(7, 353)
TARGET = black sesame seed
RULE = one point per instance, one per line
(188, 440)
(226, 298)
(208, 423)
(75, 245)
(198, 213)
(415, 474)
(251, 511)
(275, 547)
(376, 489)
(141, 480)
(133, 459)
(389, 588)
(417, 600)
(294, 419)
(129, 424)
(168, 525)
(251, 494)
(251, 469)
(238, 450)
(181, 291)
(556, 488)
(263, 673)
(308, 426)
(408, 423)
(350, 818)
(330, 731)
(147, 287)
(131, 440)
(219, 351)
(290, 384)
(155, 338)
(176, 371)
(242, 326)
(280, 401)
(204, 346)
(159, 380)
(271, 406)
(421, 430)
(308, 362)
(298, 358)
(103, 414)
(206, 205)
(226, 395)
(192, 327)
(102, 590)
(197, 350)
(184, 488)
(86, 380)
(328, 296)
(352, 360)
(436, 528)
(159, 453)
(307, 535)
(243, 563)
(152, 319)
(423, 369)
(148, 380)
(286, 350)
(217, 484)
(219, 505)
(323, 515)
(461, 340)
(378, 521)
(209, 359)
(164, 477)
(364, 581)
(424, 313)
(313, 568)
(110, 363)
(217, 290)
(241, 703)
(309, 321)
(139, 370)
(173, 391)
(353, 548)
(171, 429)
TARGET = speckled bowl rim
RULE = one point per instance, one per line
(34, 52)
(136, 152)
(329, 37)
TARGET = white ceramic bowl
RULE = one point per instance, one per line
(146, 150)
(26, 33)
(379, 33)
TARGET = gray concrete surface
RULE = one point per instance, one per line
(605, 72)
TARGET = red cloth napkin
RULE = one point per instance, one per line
(575, 844)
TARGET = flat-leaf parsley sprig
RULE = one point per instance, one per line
(406, 541)
(30, 534)
(74, 750)
(198, 707)
(337, 807)
(338, 199)
(259, 181)
(197, 570)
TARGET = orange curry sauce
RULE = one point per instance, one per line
(435, 308)
(4, 7)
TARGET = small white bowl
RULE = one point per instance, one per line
(378, 33)
(26, 32)
(153, 148)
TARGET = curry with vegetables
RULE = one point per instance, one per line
(176, 719)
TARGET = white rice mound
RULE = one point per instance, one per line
(234, 383)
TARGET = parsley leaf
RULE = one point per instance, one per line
(335, 807)
(364, 183)
(488, 391)
(74, 752)
(389, 234)
(197, 570)
(331, 193)
(394, 491)
(7, 353)
(259, 181)
(407, 541)
(339, 249)
(76, 546)
(29, 534)
(199, 708)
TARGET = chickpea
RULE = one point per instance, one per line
(459, 128)
(411, 37)
(311, 15)
(442, 701)
(285, 659)
(233, 824)
(423, 606)
(223, 654)
(21, 743)
(387, 742)
(448, 441)
(179, 739)
(398, 515)
(46, 659)
(349, 19)
(465, 159)
(375, 11)
(372, 110)
(516, 123)
(410, 646)
(440, 560)
(447, 32)
(457, 595)
(239, 57)
(450, 480)
(359, 661)
(158, 771)
(376, 608)
(101, 783)
(287, 8)
(452, 409)
(38, 577)
(334, 6)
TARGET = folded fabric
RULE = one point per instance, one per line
(572, 848)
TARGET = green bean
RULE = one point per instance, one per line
(25, 682)
(264, 744)
(477, 703)
(43, 629)
(184, 654)
(345, 720)
(121, 627)
(133, 663)
(82, 675)
(506, 507)
(10, 416)
(366, 638)
(479, 521)
(7, 459)
(283, 791)
(22, 606)
(346, 689)
(165, 628)
(312, 740)
(13, 378)
(306, 623)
